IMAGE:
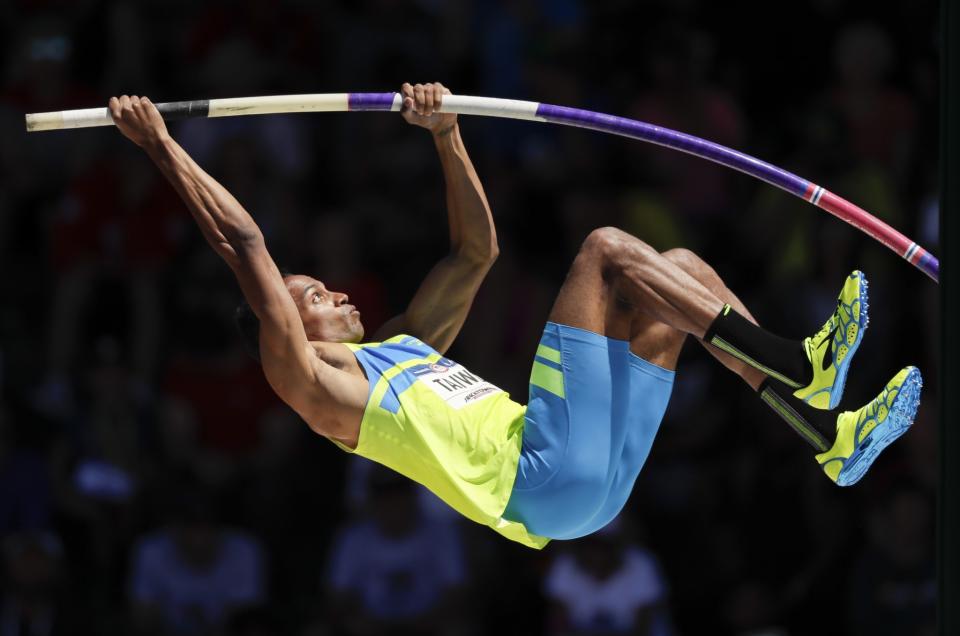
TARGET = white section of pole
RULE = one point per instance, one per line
(274, 104)
(490, 107)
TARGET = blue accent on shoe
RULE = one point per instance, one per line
(836, 391)
(898, 421)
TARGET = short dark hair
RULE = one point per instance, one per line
(249, 327)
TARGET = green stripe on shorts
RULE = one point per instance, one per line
(548, 353)
(547, 378)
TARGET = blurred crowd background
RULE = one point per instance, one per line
(151, 484)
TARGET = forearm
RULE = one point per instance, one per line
(472, 231)
(225, 224)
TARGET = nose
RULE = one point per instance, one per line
(341, 299)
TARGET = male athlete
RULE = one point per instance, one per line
(562, 466)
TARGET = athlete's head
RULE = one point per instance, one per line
(326, 315)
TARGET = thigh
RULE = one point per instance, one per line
(642, 394)
(656, 342)
(588, 300)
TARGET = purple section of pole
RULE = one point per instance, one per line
(930, 265)
(676, 140)
(370, 101)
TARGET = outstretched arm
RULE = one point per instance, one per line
(289, 363)
(438, 309)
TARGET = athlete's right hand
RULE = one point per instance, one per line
(138, 119)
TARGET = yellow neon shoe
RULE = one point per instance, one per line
(863, 434)
(831, 350)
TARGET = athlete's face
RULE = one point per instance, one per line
(326, 315)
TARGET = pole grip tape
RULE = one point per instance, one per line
(172, 111)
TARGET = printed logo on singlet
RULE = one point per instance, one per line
(454, 384)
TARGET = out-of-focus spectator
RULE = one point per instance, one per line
(607, 584)
(395, 570)
(881, 118)
(189, 576)
(37, 77)
(339, 264)
(176, 449)
(255, 621)
(108, 435)
(96, 467)
(208, 370)
(751, 608)
(34, 603)
(25, 489)
(287, 486)
(680, 96)
(893, 588)
(114, 228)
(358, 493)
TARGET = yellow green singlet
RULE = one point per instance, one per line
(431, 420)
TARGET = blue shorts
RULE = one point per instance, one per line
(593, 412)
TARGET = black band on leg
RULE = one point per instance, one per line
(712, 329)
(779, 358)
(815, 427)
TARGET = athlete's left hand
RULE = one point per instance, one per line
(420, 104)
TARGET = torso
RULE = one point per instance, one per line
(433, 421)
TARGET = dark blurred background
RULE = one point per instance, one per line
(150, 483)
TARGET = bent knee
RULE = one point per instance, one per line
(603, 240)
(614, 247)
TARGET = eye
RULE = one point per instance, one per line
(316, 297)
